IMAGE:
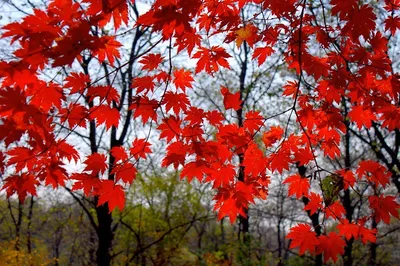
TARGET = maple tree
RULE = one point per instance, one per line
(343, 82)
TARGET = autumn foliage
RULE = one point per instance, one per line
(344, 60)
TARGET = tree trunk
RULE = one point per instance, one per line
(105, 235)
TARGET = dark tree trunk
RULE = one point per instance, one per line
(105, 236)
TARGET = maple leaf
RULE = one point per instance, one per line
(290, 88)
(280, 160)
(176, 101)
(20, 184)
(331, 245)
(362, 22)
(221, 174)
(22, 157)
(105, 93)
(374, 172)
(140, 148)
(67, 151)
(183, 79)
(303, 237)
(273, 135)
(254, 161)
(145, 84)
(170, 128)
(11, 101)
(75, 115)
(105, 115)
(144, 107)
(194, 115)
(125, 172)
(362, 116)
(231, 100)
(227, 208)
(112, 194)
(77, 82)
(195, 169)
(343, 8)
(261, 53)
(45, 96)
(253, 122)
(119, 153)
(392, 23)
(176, 154)
(96, 163)
(314, 204)
(358, 231)
(151, 61)
(107, 46)
(298, 185)
(248, 33)
(335, 210)
(348, 178)
(215, 117)
(211, 59)
(384, 207)
(87, 182)
(53, 174)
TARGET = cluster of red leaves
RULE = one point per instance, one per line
(57, 36)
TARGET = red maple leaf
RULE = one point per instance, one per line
(314, 204)
(298, 185)
(22, 157)
(75, 115)
(356, 230)
(348, 178)
(105, 115)
(211, 59)
(261, 53)
(231, 100)
(87, 182)
(176, 101)
(140, 148)
(125, 172)
(183, 79)
(384, 207)
(105, 93)
(23, 185)
(67, 151)
(96, 163)
(254, 121)
(195, 169)
(335, 210)
(362, 116)
(303, 237)
(144, 107)
(374, 172)
(332, 245)
(247, 33)
(273, 135)
(176, 154)
(151, 61)
(45, 96)
(145, 84)
(112, 194)
(107, 46)
(170, 128)
(78, 82)
(215, 117)
(392, 23)
(119, 153)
